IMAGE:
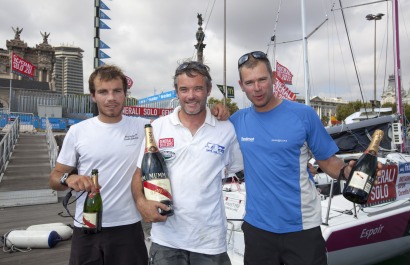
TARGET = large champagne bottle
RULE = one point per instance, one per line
(363, 174)
(157, 186)
(93, 208)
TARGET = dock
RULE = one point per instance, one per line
(26, 199)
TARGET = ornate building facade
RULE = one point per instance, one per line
(51, 63)
(42, 57)
(389, 95)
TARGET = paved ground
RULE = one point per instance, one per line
(12, 218)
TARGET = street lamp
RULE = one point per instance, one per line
(375, 18)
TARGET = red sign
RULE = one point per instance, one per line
(283, 74)
(282, 91)
(129, 82)
(142, 111)
(385, 190)
(22, 67)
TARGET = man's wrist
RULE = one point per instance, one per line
(342, 172)
(63, 179)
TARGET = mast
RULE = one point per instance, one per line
(397, 66)
(225, 89)
(305, 54)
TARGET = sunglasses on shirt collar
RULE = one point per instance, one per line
(256, 54)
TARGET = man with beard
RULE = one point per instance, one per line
(110, 143)
(199, 148)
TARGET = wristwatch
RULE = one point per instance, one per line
(63, 179)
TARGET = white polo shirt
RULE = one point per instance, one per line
(195, 163)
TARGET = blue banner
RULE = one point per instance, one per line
(103, 6)
(100, 63)
(103, 25)
(103, 55)
(163, 96)
(103, 45)
(104, 16)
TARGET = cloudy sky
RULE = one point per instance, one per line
(148, 38)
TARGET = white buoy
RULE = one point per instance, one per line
(32, 239)
(62, 229)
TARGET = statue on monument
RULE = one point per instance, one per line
(199, 16)
(17, 32)
(45, 36)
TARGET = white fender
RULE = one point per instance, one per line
(32, 239)
(63, 230)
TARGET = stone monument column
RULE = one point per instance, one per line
(200, 36)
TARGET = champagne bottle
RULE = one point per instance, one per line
(93, 208)
(363, 174)
(157, 186)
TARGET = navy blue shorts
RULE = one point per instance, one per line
(121, 245)
(306, 247)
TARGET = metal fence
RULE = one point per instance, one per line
(77, 106)
(52, 144)
(7, 144)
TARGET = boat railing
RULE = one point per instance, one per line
(52, 144)
(329, 202)
(7, 144)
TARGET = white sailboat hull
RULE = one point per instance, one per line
(372, 234)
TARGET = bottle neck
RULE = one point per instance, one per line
(374, 144)
(94, 179)
(150, 145)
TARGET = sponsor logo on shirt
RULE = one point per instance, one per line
(215, 148)
(247, 139)
(168, 155)
(131, 137)
(166, 142)
(280, 140)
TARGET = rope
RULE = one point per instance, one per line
(12, 248)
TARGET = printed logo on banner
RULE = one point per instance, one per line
(166, 142)
(22, 67)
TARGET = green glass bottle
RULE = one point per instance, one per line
(93, 208)
(363, 174)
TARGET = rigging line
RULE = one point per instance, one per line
(365, 4)
(405, 27)
(387, 46)
(331, 54)
(328, 63)
(273, 37)
(307, 37)
(351, 51)
(341, 52)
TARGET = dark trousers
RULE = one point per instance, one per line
(306, 247)
(121, 245)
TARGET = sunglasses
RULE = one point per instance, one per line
(256, 54)
(193, 64)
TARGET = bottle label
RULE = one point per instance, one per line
(90, 220)
(157, 189)
(359, 181)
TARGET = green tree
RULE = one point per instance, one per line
(325, 120)
(390, 105)
(232, 107)
(343, 111)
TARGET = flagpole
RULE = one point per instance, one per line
(11, 80)
(10, 96)
(225, 95)
(305, 54)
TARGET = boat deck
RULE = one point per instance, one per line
(12, 218)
